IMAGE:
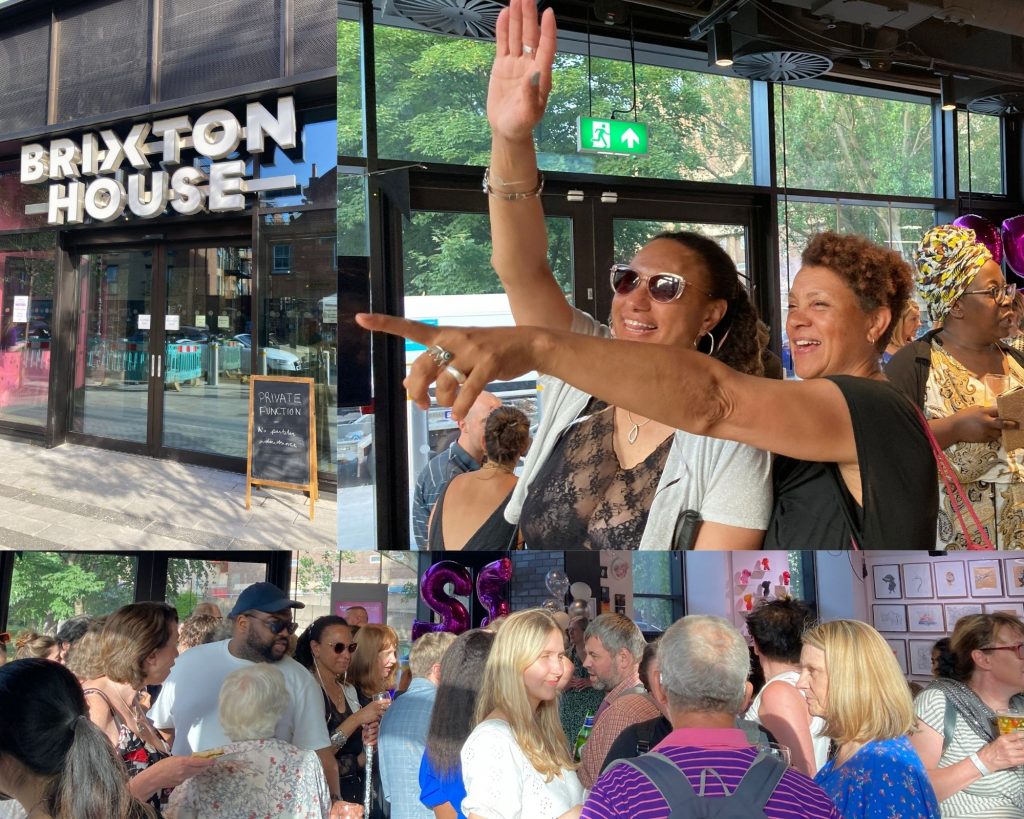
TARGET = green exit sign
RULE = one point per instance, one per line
(611, 136)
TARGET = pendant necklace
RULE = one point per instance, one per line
(634, 432)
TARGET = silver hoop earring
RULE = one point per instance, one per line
(711, 351)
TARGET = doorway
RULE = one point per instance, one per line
(164, 350)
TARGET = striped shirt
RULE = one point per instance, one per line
(625, 793)
(439, 470)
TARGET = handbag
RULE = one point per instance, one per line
(955, 491)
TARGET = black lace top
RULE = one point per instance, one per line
(582, 498)
(350, 772)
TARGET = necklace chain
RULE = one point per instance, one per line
(634, 432)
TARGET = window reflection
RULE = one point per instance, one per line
(312, 161)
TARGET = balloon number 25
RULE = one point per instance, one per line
(491, 584)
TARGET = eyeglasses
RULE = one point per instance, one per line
(1004, 293)
(662, 287)
(340, 648)
(274, 625)
(1017, 649)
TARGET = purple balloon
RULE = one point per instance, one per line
(1013, 243)
(454, 617)
(491, 585)
(984, 231)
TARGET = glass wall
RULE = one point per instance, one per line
(27, 289)
(846, 142)
(980, 145)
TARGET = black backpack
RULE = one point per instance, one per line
(747, 801)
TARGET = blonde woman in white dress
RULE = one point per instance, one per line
(516, 761)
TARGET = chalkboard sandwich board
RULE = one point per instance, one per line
(282, 435)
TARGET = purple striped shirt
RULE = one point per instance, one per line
(623, 792)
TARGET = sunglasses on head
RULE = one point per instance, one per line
(274, 625)
(662, 287)
(340, 648)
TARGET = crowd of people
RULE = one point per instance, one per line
(677, 439)
(799, 719)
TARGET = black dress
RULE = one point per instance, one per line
(899, 481)
(352, 775)
(495, 533)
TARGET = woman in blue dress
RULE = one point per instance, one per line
(462, 674)
(851, 679)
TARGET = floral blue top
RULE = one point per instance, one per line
(885, 779)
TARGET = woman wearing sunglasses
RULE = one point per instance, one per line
(954, 372)
(856, 468)
(600, 475)
(326, 649)
(975, 769)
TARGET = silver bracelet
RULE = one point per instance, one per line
(511, 197)
(979, 764)
(339, 738)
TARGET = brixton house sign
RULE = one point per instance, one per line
(187, 189)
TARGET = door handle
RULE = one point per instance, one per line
(152, 366)
(159, 366)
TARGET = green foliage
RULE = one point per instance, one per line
(314, 574)
(350, 96)
(983, 174)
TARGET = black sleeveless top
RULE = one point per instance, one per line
(814, 509)
(494, 533)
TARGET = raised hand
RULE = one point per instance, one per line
(521, 75)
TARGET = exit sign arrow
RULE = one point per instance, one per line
(610, 136)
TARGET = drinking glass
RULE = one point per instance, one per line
(995, 385)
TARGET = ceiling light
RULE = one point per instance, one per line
(947, 93)
(720, 45)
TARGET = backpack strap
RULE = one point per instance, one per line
(673, 785)
(761, 779)
(644, 732)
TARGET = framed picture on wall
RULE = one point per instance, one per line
(1016, 609)
(889, 618)
(1014, 577)
(950, 579)
(899, 648)
(917, 580)
(604, 572)
(954, 611)
(920, 657)
(925, 617)
(604, 594)
(984, 578)
(887, 581)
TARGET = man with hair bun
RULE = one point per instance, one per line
(404, 726)
(614, 647)
(704, 667)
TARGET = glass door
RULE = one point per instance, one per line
(115, 360)
(164, 350)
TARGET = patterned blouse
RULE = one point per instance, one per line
(256, 779)
(885, 779)
(992, 478)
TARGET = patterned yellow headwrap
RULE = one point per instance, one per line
(948, 258)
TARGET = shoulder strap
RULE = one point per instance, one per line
(948, 724)
(762, 777)
(644, 732)
(118, 721)
(673, 785)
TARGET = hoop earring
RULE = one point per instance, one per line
(711, 351)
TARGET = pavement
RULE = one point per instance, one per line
(83, 498)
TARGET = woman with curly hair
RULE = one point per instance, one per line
(516, 761)
(855, 468)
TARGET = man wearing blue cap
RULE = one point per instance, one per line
(186, 709)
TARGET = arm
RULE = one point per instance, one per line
(101, 716)
(972, 425)
(783, 711)
(1005, 752)
(516, 97)
(445, 811)
(330, 766)
(808, 420)
(167, 773)
(719, 536)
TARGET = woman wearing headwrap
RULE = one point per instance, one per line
(944, 371)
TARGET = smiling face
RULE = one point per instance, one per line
(829, 333)
(542, 675)
(988, 319)
(813, 680)
(637, 317)
(324, 651)
(387, 659)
